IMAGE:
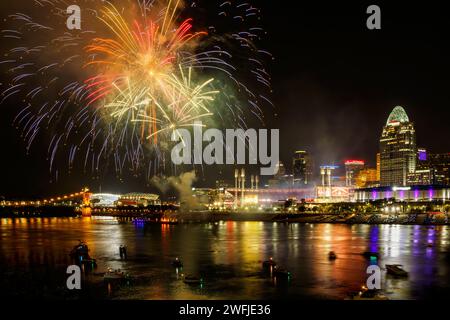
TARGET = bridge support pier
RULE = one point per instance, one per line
(86, 212)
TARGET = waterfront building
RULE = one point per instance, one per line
(423, 176)
(268, 196)
(431, 169)
(424, 193)
(367, 177)
(333, 194)
(398, 151)
(104, 199)
(352, 169)
(326, 174)
(440, 163)
(203, 198)
(138, 200)
(214, 198)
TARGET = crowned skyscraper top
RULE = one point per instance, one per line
(398, 151)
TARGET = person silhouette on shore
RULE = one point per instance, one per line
(123, 251)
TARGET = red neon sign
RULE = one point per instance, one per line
(358, 162)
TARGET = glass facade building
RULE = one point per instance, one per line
(398, 150)
(352, 169)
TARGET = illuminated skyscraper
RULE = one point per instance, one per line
(398, 151)
(378, 167)
(352, 168)
(302, 168)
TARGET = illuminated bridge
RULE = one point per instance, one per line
(82, 198)
(87, 203)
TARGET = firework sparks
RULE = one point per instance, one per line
(116, 89)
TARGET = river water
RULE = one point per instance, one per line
(227, 255)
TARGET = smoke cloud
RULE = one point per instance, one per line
(182, 184)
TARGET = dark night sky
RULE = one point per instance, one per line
(334, 84)
(336, 81)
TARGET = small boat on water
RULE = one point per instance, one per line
(269, 263)
(281, 273)
(80, 254)
(191, 279)
(396, 270)
(112, 275)
(332, 255)
(367, 294)
(177, 263)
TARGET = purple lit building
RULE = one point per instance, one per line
(422, 154)
(419, 193)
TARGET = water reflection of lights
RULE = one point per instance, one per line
(393, 237)
(139, 223)
(327, 234)
(444, 235)
(251, 233)
(431, 239)
(249, 243)
(165, 228)
(374, 237)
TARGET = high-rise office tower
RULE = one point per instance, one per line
(398, 151)
(302, 168)
(352, 168)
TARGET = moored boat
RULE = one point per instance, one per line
(281, 273)
(367, 295)
(191, 279)
(396, 270)
(269, 263)
(177, 263)
(112, 275)
(80, 255)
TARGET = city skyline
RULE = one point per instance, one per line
(224, 155)
(414, 167)
(316, 93)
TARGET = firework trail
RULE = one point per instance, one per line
(111, 93)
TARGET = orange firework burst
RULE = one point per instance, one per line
(145, 54)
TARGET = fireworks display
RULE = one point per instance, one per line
(111, 93)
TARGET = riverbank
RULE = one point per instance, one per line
(210, 216)
(38, 212)
(423, 218)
